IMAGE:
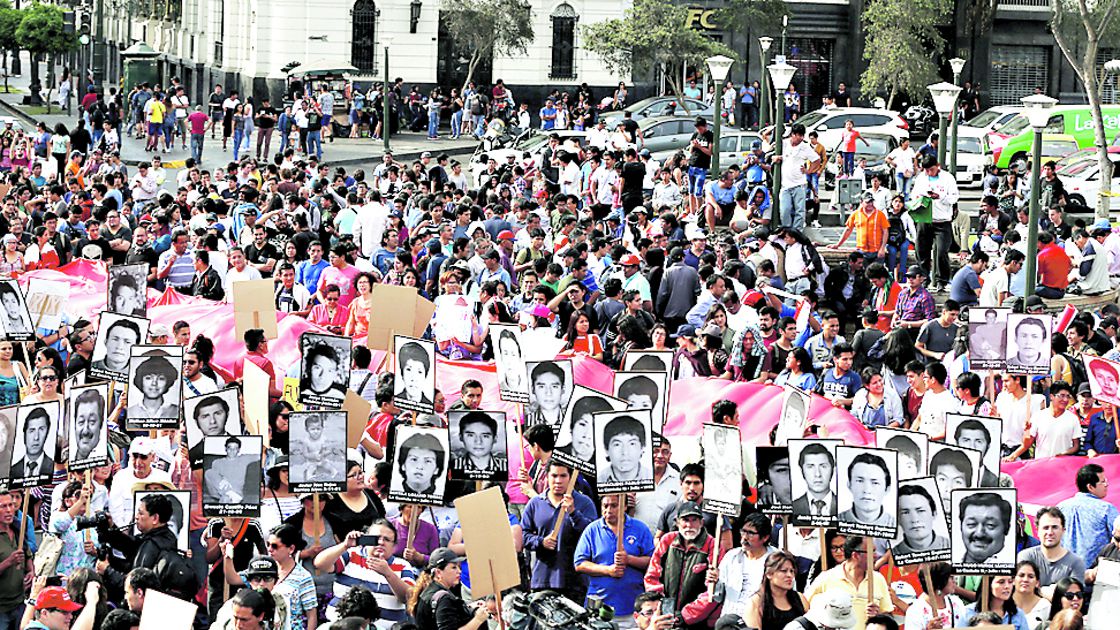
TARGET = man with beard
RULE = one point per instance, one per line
(194, 380)
(916, 513)
(681, 567)
(141, 251)
(692, 491)
(140, 455)
(985, 519)
(817, 466)
(119, 338)
(1054, 561)
(35, 462)
(868, 480)
(89, 414)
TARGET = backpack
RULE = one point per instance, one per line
(176, 575)
(1077, 371)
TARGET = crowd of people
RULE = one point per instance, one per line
(607, 251)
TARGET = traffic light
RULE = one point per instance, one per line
(86, 26)
(68, 22)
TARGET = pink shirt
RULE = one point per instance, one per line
(198, 122)
(848, 140)
(344, 278)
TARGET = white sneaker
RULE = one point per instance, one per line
(816, 224)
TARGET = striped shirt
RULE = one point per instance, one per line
(298, 589)
(354, 569)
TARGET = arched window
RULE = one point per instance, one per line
(564, 20)
(363, 49)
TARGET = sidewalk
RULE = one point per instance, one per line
(364, 152)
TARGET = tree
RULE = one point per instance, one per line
(1086, 23)
(42, 32)
(9, 22)
(487, 27)
(653, 34)
(902, 46)
(745, 16)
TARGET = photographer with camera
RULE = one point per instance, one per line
(156, 548)
(69, 523)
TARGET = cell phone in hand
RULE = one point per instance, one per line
(369, 540)
(668, 606)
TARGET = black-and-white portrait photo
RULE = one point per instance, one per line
(954, 468)
(550, 391)
(723, 469)
(648, 390)
(317, 451)
(983, 531)
(979, 433)
(812, 476)
(865, 491)
(415, 379)
(795, 415)
(575, 442)
(116, 335)
(647, 361)
(179, 524)
(478, 445)
(211, 415)
(624, 451)
(36, 433)
(923, 531)
(15, 320)
(513, 381)
(987, 338)
(7, 440)
(1028, 343)
(324, 369)
(420, 460)
(775, 494)
(911, 447)
(128, 287)
(231, 475)
(155, 377)
(89, 432)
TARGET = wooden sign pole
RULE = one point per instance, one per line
(23, 519)
(619, 526)
(89, 504)
(715, 552)
(411, 530)
(932, 596)
(785, 533)
(870, 549)
(824, 548)
(497, 596)
(985, 593)
(559, 516)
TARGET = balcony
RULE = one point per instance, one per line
(1024, 5)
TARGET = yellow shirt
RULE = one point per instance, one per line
(158, 109)
(835, 580)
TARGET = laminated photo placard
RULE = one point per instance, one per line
(324, 369)
(513, 380)
(420, 460)
(812, 475)
(775, 493)
(575, 444)
(979, 433)
(415, 377)
(987, 338)
(723, 469)
(112, 351)
(215, 414)
(983, 530)
(1028, 343)
(231, 476)
(550, 392)
(865, 492)
(479, 445)
(37, 428)
(644, 390)
(317, 451)
(88, 444)
(923, 532)
(624, 453)
(911, 446)
(155, 377)
(127, 289)
(15, 320)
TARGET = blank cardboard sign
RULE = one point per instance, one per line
(161, 609)
(255, 396)
(396, 310)
(254, 306)
(485, 523)
(358, 411)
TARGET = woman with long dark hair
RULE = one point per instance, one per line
(1028, 596)
(1001, 589)
(1069, 594)
(834, 540)
(777, 602)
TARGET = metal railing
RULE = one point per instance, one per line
(1029, 5)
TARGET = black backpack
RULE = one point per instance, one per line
(176, 575)
(1077, 371)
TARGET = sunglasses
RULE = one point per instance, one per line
(48, 378)
(1074, 595)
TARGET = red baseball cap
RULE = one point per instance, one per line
(55, 597)
(504, 235)
(630, 260)
(752, 297)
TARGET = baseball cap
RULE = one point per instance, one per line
(55, 597)
(505, 235)
(867, 196)
(644, 153)
(630, 260)
(752, 297)
(700, 122)
(711, 330)
(442, 557)
(142, 445)
(1084, 390)
(689, 508)
(1102, 224)
(159, 330)
(263, 566)
(1033, 301)
(685, 330)
(915, 270)
(425, 154)
(731, 622)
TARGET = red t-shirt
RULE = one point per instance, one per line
(848, 140)
(1053, 267)
(378, 428)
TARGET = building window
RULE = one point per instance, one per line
(363, 51)
(564, 20)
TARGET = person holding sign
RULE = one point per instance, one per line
(553, 543)
(680, 567)
(741, 570)
(624, 439)
(615, 571)
(851, 577)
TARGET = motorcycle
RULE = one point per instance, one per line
(921, 119)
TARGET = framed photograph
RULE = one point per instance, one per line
(479, 443)
(7, 441)
(648, 361)
(1104, 379)
(624, 463)
(775, 495)
(116, 335)
(812, 476)
(317, 451)
(15, 320)
(723, 469)
(987, 338)
(324, 369)
(36, 433)
(923, 529)
(795, 415)
(420, 460)
(980, 433)
(211, 415)
(513, 381)
(88, 444)
(865, 494)
(1028, 343)
(155, 376)
(911, 447)
(954, 468)
(415, 376)
(180, 512)
(644, 390)
(127, 289)
(231, 475)
(575, 444)
(550, 391)
(983, 531)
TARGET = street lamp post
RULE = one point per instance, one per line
(764, 43)
(957, 64)
(385, 100)
(718, 66)
(781, 74)
(1037, 110)
(944, 100)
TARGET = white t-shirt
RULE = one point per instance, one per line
(903, 161)
(995, 282)
(181, 103)
(604, 179)
(1014, 415)
(569, 179)
(793, 158)
(1053, 435)
(933, 409)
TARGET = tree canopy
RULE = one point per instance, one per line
(487, 27)
(901, 35)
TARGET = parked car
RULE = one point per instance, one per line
(829, 123)
(1080, 174)
(992, 119)
(881, 144)
(666, 134)
(659, 106)
(1013, 141)
(733, 147)
(533, 143)
(973, 156)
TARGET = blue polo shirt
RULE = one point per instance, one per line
(598, 544)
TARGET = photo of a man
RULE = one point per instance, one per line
(984, 530)
(1028, 343)
(419, 465)
(795, 415)
(624, 461)
(116, 336)
(868, 483)
(775, 493)
(7, 435)
(324, 369)
(575, 442)
(920, 523)
(1104, 379)
(479, 450)
(127, 286)
(156, 385)
(210, 416)
(723, 465)
(816, 471)
(911, 447)
(32, 460)
(550, 392)
(415, 380)
(234, 476)
(87, 444)
(953, 468)
(976, 433)
(649, 361)
(987, 338)
(15, 321)
(513, 382)
(643, 391)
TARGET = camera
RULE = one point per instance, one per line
(98, 519)
(548, 610)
